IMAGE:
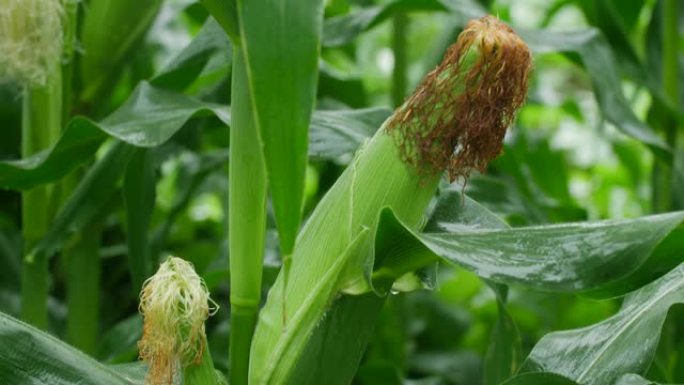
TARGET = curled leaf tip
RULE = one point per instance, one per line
(174, 303)
(30, 39)
(457, 118)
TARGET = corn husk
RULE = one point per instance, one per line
(454, 122)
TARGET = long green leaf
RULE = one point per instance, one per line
(624, 343)
(539, 379)
(598, 59)
(613, 256)
(88, 199)
(152, 116)
(29, 356)
(504, 352)
(337, 134)
(110, 31)
(280, 40)
(139, 196)
(341, 30)
(634, 379)
(149, 118)
(210, 42)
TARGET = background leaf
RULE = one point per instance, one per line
(139, 195)
(624, 343)
(30, 356)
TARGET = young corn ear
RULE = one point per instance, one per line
(455, 121)
(174, 304)
(30, 39)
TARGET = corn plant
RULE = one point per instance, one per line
(247, 213)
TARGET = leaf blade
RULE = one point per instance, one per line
(28, 356)
(282, 67)
(623, 343)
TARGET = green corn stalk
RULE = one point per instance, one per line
(31, 46)
(109, 31)
(247, 222)
(455, 121)
(80, 256)
(174, 304)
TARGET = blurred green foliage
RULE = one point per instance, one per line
(564, 161)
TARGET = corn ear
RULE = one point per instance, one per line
(455, 121)
(174, 303)
(30, 40)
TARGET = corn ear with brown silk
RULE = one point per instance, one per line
(454, 122)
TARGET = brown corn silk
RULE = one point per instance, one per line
(457, 118)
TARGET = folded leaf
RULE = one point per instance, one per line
(151, 116)
(609, 257)
(624, 343)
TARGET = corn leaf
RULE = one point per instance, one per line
(589, 256)
(284, 356)
(149, 118)
(539, 379)
(607, 258)
(111, 29)
(341, 30)
(623, 343)
(225, 12)
(504, 352)
(29, 356)
(280, 40)
(598, 60)
(337, 134)
(139, 186)
(152, 116)
(210, 43)
(88, 199)
(635, 379)
(335, 348)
